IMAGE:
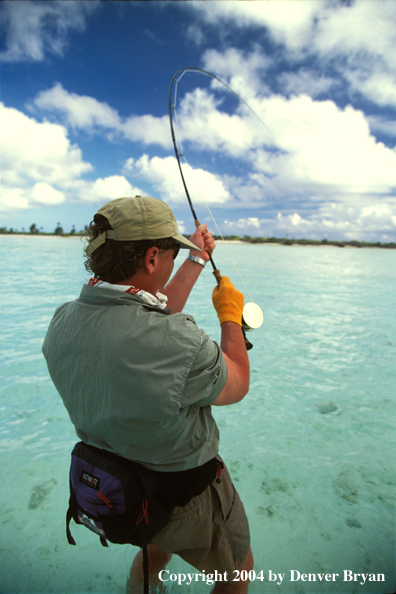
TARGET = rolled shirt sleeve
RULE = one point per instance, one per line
(207, 376)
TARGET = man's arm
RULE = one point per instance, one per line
(179, 287)
(238, 368)
(228, 303)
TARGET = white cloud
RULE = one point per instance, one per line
(164, 175)
(378, 215)
(360, 40)
(206, 127)
(356, 41)
(324, 25)
(40, 167)
(326, 146)
(316, 152)
(287, 21)
(305, 82)
(91, 115)
(108, 188)
(200, 122)
(244, 72)
(363, 27)
(195, 34)
(80, 111)
(379, 87)
(181, 227)
(254, 222)
(43, 193)
(30, 195)
(382, 125)
(148, 129)
(317, 147)
(13, 199)
(332, 221)
(33, 151)
(34, 28)
(310, 146)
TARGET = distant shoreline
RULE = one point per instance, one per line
(242, 241)
(312, 243)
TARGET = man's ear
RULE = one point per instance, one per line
(150, 259)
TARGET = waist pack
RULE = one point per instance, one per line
(122, 501)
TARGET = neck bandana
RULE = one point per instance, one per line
(159, 300)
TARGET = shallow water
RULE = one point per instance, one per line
(311, 448)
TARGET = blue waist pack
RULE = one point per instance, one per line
(113, 497)
(124, 502)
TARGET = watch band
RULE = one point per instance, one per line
(196, 259)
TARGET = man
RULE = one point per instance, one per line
(138, 377)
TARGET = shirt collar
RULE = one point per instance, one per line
(159, 300)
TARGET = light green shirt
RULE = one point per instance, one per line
(136, 380)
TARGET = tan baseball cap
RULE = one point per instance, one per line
(134, 219)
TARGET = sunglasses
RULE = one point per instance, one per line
(176, 250)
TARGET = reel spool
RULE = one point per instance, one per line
(252, 317)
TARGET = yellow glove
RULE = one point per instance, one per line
(228, 302)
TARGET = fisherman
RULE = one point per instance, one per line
(138, 377)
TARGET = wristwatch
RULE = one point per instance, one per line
(196, 259)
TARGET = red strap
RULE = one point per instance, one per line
(143, 513)
(104, 498)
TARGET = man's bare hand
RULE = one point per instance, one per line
(203, 239)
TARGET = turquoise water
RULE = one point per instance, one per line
(311, 448)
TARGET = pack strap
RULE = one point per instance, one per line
(69, 516)
(145, 571)
(219, 468)
(143, 513)
(72, 513)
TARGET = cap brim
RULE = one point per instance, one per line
(185, 243)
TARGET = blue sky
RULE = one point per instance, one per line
(84, 113)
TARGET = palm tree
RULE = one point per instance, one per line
(58, 230)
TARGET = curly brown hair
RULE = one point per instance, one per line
(115, 261)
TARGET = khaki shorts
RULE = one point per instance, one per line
(210, 532)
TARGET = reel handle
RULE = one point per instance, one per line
(248, 344)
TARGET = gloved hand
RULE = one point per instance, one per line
(228, 302)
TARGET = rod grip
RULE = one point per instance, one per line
(217, 275)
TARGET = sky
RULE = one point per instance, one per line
(305, 147)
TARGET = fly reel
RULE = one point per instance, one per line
(252, 318)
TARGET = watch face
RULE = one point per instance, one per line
(196, 259)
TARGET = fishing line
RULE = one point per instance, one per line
(220, 233)
(192, 69)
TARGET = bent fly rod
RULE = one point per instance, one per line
(172, 107)
(252, 314)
